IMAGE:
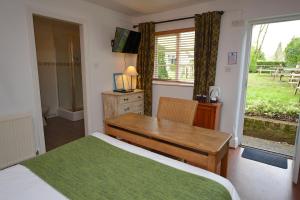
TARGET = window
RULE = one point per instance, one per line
(174, 55)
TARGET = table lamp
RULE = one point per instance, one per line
(131, 71)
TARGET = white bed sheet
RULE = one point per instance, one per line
(18, 182)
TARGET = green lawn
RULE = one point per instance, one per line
(271, 98)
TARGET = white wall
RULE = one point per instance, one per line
(232, 38)
(18, 68)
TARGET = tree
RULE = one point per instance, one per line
(256, 52)
(255, 55)
(292, 52)
(263, 29)
(279, 55)
(162, 71)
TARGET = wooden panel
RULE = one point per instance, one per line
(205, 117)
(190, 156)
(208, 115)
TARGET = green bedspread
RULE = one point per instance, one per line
(90, 168)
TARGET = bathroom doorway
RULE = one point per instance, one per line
(60, 79)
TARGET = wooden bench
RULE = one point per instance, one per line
(266, 68)
(297, 87)
(201, 147)
(294, 79)
(291, 73)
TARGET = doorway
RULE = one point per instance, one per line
(60, 79)
(272, 97)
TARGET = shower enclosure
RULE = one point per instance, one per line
(68, 69)
(58, 52)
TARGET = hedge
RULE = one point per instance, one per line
(271, 63)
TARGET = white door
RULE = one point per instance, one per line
(296, 163)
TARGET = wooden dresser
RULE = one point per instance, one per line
(208, 115)
(115, 103)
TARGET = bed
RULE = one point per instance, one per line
(135, 174)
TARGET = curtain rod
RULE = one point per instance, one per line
(178, 19)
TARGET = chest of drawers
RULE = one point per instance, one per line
(115, 103)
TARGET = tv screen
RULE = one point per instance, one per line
(126, 41)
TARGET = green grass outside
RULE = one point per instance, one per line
(271, 98)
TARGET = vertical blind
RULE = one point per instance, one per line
(174, 56)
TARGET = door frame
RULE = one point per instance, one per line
(296, 163)
(37, 110)
(245, 65)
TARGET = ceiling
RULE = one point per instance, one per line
(144, 7)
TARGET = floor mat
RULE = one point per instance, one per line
(265, 157)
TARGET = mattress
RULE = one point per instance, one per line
(18, 182)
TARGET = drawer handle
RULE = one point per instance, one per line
(126, 99)
(126, 109)
(139, 97)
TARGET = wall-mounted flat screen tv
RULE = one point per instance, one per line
(126, 41)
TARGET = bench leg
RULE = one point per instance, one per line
(224, 165)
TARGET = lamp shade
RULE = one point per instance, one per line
(131, 71)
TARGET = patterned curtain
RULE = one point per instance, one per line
(145, 63)
(207, 31)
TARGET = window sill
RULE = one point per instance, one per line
(171, 83)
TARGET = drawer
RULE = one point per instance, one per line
(137, 97)
(131, 107)
(131, 98)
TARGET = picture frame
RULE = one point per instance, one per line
(232, 58)
(120, 82)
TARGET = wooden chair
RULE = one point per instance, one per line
(178, 110)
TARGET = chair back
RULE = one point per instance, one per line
(178, 110)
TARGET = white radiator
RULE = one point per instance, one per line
(16, 139)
